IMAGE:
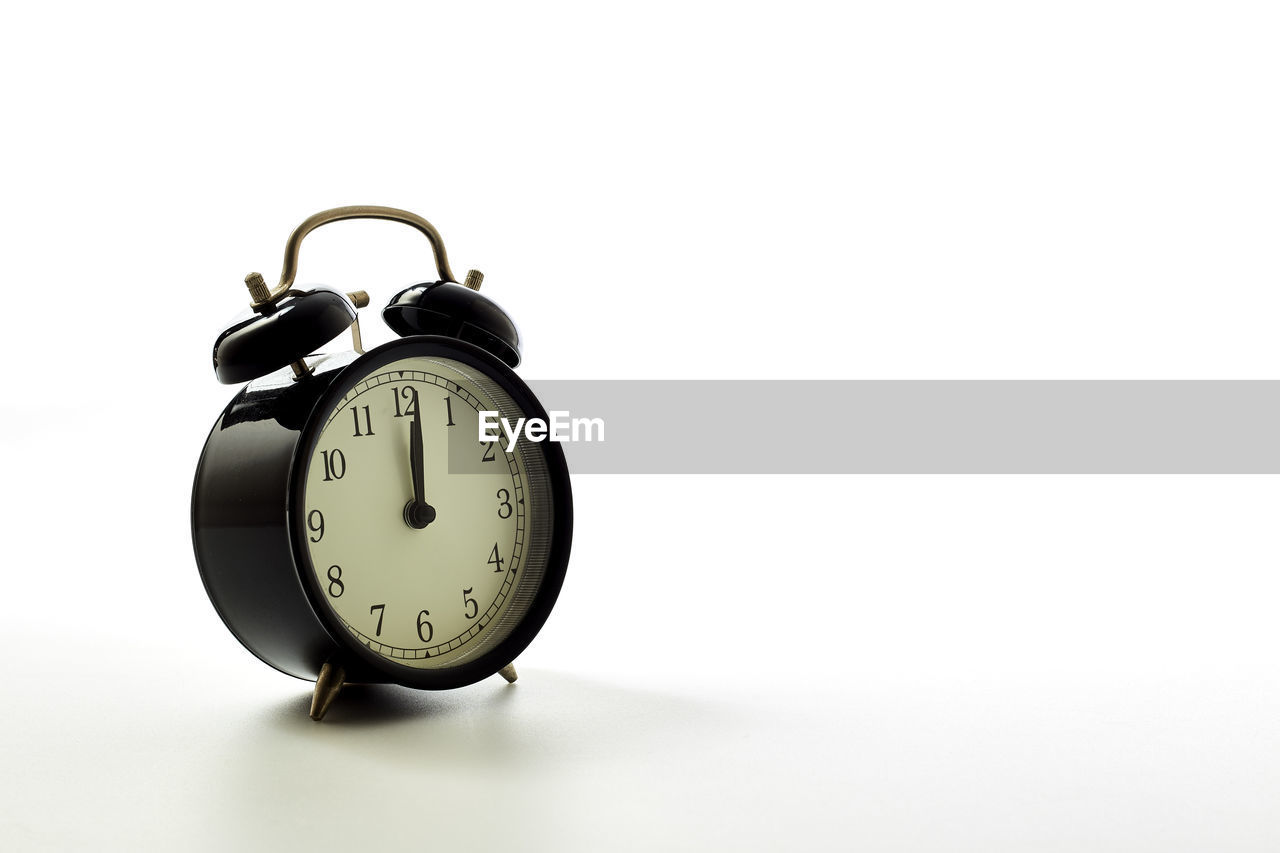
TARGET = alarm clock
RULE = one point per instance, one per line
(348, 522)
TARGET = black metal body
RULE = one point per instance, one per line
(248, 541)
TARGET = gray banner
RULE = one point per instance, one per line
(923, 427)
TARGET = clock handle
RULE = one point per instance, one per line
(262, 297)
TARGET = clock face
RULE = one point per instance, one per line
(426, 546)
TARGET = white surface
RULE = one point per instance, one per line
(965, 663)
(898, 663)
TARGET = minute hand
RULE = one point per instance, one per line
(415, 461)
(418, 514)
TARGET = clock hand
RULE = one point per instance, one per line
(417, 513)
(416, 462)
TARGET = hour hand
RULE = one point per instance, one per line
(417, 513)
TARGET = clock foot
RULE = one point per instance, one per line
(509, 673)
(327, 686)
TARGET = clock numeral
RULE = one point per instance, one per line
(315, 523)
(380, 608)
(410, 394)
(336, 586)
(505, 503)
(469, 603)
(488, 453)
(423, 623)
(368, 423)
(494, 559)
(448, 408)
(335, 464)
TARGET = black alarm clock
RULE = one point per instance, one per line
(348, 522)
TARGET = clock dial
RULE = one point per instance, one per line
(425, 544)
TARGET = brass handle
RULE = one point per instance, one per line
(356, 211)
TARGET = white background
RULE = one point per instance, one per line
(907, 190)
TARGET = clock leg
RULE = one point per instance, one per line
(327, 686)
(509, 673)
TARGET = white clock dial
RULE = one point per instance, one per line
(427, 583)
